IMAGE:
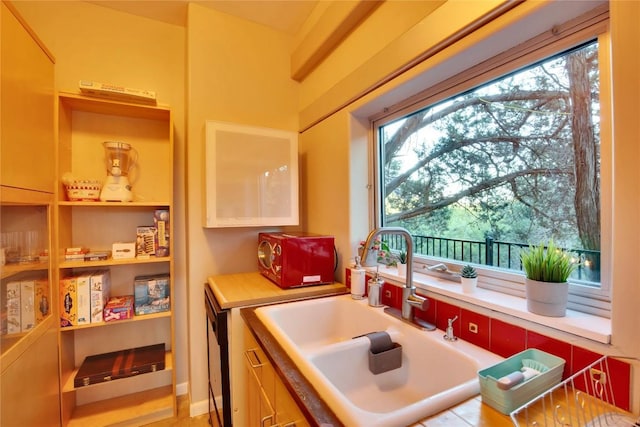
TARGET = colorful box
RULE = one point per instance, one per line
(83, 299)
(145, 241)
(27, 305)
(13, 308)
(152, 294)
(68, 302)
(161, 222)
(100, 291)
(119, 308)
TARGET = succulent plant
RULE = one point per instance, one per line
(547, 263)
(402, 257)
(468, 272)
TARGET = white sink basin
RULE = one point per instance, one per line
(319, 336)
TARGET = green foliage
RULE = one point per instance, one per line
(550, 264)
(468, 272)
(402, 257)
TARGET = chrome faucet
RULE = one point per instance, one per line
(410, 299)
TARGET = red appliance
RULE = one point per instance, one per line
(296, 259)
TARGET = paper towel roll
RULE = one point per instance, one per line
(357, 283)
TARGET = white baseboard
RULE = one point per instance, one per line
(182, 388)
(202, 407)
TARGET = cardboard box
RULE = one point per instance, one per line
(161, 222)
(152, 294)
(42, 300)
(27, 305)
(68, 304)
(100, 291)
(13, 308)
(119, 308)
(83, 299)
(123, 250)
(145, 241)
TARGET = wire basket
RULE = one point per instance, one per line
(584, 399)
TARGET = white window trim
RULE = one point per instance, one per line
(596, 302)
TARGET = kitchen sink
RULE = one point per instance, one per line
(326, 338)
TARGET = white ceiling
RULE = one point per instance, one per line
(283, 15)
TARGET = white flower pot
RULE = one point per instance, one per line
(469, 284)
(547, 298)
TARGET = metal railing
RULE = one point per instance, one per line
(493, 253)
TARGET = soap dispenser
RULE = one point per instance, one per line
(375, 290)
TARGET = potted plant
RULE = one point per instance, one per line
(547, 269)
(402, 263)
(468, 278)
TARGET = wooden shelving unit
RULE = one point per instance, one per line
(84, 123)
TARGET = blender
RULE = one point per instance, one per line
(120, 158)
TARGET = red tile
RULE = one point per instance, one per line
(620, 378)
(553, 346)
(506, 340)
(391, 295)
(481, 322)
(347, 276)
(444, 312)
(581, 358)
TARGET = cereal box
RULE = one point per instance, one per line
(119, 308)
(83, 298)
(68, 303)
(145, 242)
(100, 290)
(13, 308)
(42, 299)
(27, 305)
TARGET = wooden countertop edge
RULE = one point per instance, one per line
(307, 398)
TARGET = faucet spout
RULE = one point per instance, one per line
(410, 299)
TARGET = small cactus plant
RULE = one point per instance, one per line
(468, 272)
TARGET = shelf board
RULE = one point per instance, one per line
(12, 269)
(114, 107)
(131, 409)
(115, 204)
(141, 318)
(111, 261)
(69, 385)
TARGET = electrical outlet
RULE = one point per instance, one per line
(387, 293)
(473, 328)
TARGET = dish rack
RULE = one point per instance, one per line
(583, 400)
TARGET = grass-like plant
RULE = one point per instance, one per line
(402, 257)
(547, 263)
(468, 272)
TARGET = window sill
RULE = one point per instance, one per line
(584, 325)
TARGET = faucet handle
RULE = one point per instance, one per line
(450, 321)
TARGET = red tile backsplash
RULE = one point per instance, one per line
(444, 312)
(480, 325)
(551, 345)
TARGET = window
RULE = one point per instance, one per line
(478, 171)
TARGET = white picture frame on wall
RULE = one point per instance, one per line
(251, 176)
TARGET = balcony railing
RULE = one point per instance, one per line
(494, 253)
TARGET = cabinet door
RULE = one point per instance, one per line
(27, 124)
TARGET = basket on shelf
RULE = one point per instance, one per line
(83, 190)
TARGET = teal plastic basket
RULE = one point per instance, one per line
(506, 401)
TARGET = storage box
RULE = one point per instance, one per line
(118, 308)
(152, 294)
(161, 223)
(100, 289)
(42, 299)
(120, 364)
(123, 250)
(13, 308)
(507, 401)
(27, 305)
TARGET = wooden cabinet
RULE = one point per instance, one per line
(27, 121)
(29, 392)
(268, 401)
(84, 123)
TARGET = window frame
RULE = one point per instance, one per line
(592, 25)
